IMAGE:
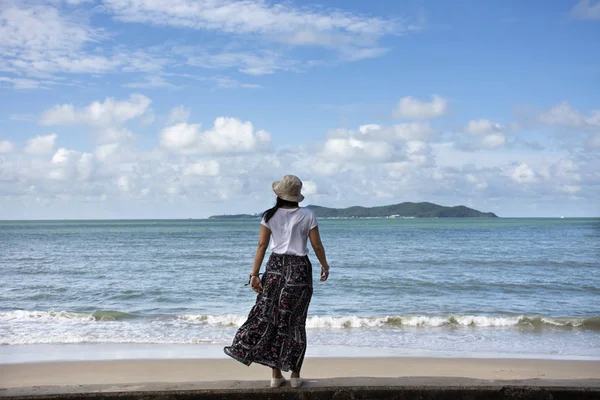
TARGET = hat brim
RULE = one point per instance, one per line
(282, 196)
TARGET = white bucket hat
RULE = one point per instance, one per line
(289, 188)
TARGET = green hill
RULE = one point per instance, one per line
(414, 210)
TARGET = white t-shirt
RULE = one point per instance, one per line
(289, 230)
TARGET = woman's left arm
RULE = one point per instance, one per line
(264, 237)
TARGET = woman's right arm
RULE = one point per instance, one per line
(317, 245)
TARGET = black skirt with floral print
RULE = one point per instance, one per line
(274, 333)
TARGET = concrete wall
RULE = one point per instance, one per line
(339, 393)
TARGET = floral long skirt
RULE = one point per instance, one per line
(274, 333)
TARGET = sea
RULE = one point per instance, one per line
(119, 289)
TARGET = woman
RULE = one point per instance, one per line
(274, 333)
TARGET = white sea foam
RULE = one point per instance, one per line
(49, 316)
(344, 322)
(313, 322)
(28, 316)
(225, 320)
(419, 333)
(484, 321)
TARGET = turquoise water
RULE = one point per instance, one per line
(507, 287)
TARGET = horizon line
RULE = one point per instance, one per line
(215, 219)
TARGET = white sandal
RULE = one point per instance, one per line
(276, 382)
(296, 382)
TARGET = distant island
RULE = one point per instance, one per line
(402, 210)
(235, 216)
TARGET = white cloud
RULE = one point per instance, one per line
(356, 54)
(566, 116)
(372, 164)
(85, 166)
(364, 129)
(448, 155)
(564, 170)
(572, 189)
(68, 165)
(399, 132)
(483, 127)
(112, 135)
(373, 143)
(42, 42)
(275, 22)
(586, 9)
(62, 158)
(480, 184)
(413, 131)
(417, 155)
(123, 184)
(412, 108)
(45, 41)
(418, 152)
(203, 168)
(178, 114)
(225, 82)
(251, 63)
(38, 40)
(593, 141)
(6, 146)
(228, 135)
(147, 118)
(348, 36)
(78, 2)
(150, 82)
(485, 135)
(399, 170)
(493, 141)
(40, 28)
(565, 175)
(106, 114)
(105, 151)
(356, 150)
(324, 167)
(42, 144)
(24, 83)
(106, 122)
(181, 137)
(522, 173)
(160, 179)
(309, 188)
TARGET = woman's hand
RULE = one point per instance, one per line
(255, 284)
(324, 274)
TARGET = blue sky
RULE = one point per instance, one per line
(188, 108)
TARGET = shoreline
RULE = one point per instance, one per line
(98, 352)
(120, 372)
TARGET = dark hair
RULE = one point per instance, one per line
(279, 203)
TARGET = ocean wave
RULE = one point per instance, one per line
(109, 315)
(224, 320)
(347, 322)
(320, 322)
(30, 316)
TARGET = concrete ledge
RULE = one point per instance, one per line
(337, 389)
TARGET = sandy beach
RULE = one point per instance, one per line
(318, 369)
